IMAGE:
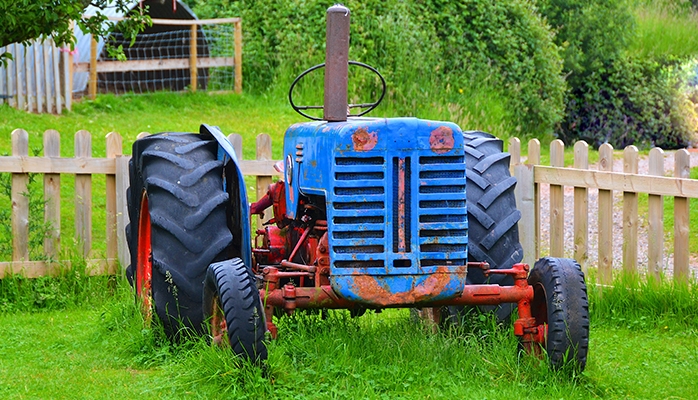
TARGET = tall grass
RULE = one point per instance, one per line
(665, 29)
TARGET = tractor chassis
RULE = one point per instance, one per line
(290, 297)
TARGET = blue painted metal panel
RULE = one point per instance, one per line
(395, 196)
(227, 148)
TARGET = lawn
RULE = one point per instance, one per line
(102, 350)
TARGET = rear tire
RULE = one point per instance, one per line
(233, 309)
(560, 303)
(182, 180)
(493, 233)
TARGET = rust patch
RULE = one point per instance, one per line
(364, 140)
(369, 289)
(441, 140)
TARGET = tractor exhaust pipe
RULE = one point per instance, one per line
(336, 64)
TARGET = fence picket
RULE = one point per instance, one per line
(682, 169)
(28, 80)
(37, 78)
(56, 78)
(20, 200)
(630, 218)
(47, 75)
(655, 251)
(534, 159)
(114, 149)
(605, 219)
(18, 76)
(83, 194)
(52, 196)
(557, 203)
(263, 181)
(581, 208)
(236, 141)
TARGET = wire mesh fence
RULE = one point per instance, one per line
(214, 53)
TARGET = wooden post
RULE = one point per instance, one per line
(20, 200)
(122, 217)
(515, 153)
(47, 75)
(236, 140)
(630, 155)
(605, 219)
(682, 169)
(52, 196)
(57, 78)
(557, 203)
(534, 159)
(93, 69)
(238, 57)
(525, 201)
(19, 55)
(656, 218)
(581, 208)
(83, 195)
(263, 181)
(28, 81)
(114, 149)
(37, 78)
(192, 58)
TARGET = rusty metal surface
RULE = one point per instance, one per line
(336, 64)
(441, 140)
(364, 140)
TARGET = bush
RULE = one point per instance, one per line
(431, 53)
(614, 97)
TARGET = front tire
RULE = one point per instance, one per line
(233, 309)
(561, 307)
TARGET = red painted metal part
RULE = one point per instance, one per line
(144, 261)
(531, 331)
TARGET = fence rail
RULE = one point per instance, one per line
(531, 175)
(83, 166)
(656, 185)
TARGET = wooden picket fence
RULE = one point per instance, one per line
(531, 175)
(83, 166)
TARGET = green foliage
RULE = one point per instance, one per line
(431, 53)
(22, 21)
(615, 97)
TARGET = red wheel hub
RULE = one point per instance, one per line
(144, 261)
(219, 328)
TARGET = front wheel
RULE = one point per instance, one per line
(561, 309)
(233, 309)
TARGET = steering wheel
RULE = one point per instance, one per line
(369, 106)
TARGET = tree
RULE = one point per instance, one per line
(25, 20)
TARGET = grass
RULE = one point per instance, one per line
(100, 348)
(664, 30)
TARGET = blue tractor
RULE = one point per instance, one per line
(371, 213)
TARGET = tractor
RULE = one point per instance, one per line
(370, 213)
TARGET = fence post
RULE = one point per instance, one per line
(192, 58)
(630, 214)
(20, 200)
(122, 217)
(93, 69)
(605, 219)
(682, 169)
(27, 76)
(581, 208)
(83, 195)
(52, 196)
(18, 76)
(525, 200)
(236, 140)
(557, 203)
(37, 78)
(656, 218)
(534, 159)
(263, 181)
(114, 149)
(47, 73)
(515, 153)
(238, 57)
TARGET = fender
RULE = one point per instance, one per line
(241, 226)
